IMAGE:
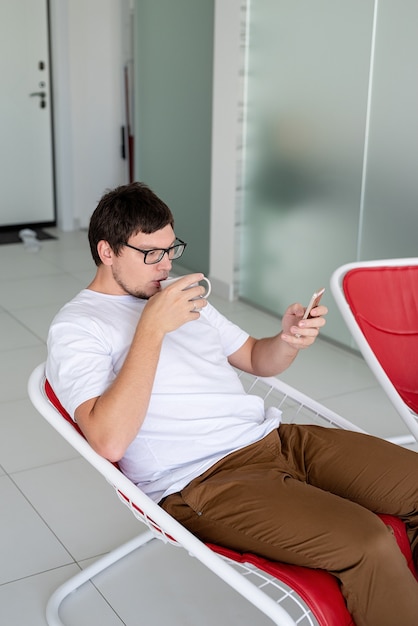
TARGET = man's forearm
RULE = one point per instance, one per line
(271, 356)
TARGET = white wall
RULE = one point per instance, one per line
(88, 54)
(227, 93)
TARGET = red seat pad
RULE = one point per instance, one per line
(384, 302)
(319, 589)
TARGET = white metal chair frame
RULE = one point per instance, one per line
(337, 288)
(255, 585)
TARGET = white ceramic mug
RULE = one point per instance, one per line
(171, 280)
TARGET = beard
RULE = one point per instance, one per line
(129, 290)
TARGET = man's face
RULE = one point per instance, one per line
(134, 277)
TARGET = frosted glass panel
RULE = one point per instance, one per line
(390, 223)
(307, 73)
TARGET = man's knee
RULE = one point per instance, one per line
(379, 546)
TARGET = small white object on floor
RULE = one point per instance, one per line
(30, 240)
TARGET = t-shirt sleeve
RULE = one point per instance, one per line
(232, 337)
(79, 363)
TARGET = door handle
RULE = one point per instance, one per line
(42, 95)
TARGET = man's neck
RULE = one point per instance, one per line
(103, 283)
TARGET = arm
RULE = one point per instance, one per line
(272, 355)
(111, 421)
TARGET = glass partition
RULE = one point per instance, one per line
(390, 220)
(306, 106)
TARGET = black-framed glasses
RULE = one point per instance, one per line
(155, 255)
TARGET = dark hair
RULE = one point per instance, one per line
(123, 212)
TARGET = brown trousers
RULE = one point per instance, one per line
(305, 495)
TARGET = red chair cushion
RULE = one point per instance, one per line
(57, 404)
(384, 302)
(319, 589)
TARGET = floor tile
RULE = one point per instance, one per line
(317, 371)
(39, 291)
(74, 257)
(83, 276)
(14, 334)
(86, 607)
(157, 567)
(79, 506)
(260, 325)
(37, 319)
(16, 263)
(370, 409)
(15, 368)
(27, 545)
(65, 240)
(27, 440)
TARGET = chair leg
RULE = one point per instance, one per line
(59, 595)
(402, 440)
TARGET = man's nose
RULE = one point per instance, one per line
(165, 262)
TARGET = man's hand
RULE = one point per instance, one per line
(301, 333)
(175, 305)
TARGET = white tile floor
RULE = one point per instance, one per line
(57, 514)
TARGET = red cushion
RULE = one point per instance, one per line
(319, 589)
(57, 404)
(384, 302)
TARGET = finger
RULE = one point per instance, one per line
(186, 282)
(319, 311)
(196, 292)
(198, 305)
(196, 309)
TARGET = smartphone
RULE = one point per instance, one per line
(314, 301)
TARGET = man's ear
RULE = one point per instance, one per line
(105, 252)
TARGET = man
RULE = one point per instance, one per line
(147, 375)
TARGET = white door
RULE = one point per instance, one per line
(26, 153)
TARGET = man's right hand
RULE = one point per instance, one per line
(175, 305)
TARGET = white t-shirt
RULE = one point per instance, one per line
(198, 411)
